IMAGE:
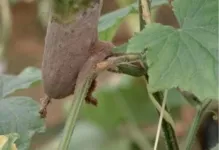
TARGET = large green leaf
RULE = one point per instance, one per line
(185, 57)
(20, 115)
(25, 79)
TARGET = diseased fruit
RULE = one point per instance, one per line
(67, 48)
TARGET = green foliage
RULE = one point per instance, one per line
(185, 57)
(27, 78)
(20, 114)
(126, 101)
(9, 143)
(109, 23)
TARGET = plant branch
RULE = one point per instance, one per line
(145, 11)
(141, 20)
(5, 25)
(131, 69)
(80, 94)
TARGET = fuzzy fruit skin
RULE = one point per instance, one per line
(67, 48)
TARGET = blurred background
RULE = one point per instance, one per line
(122, 103)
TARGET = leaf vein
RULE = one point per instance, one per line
(204, 47)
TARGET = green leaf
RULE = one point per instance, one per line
(185, 57)
(109, 23)
(20, 115)
(10, 139)
(127, 100)
(25, 79)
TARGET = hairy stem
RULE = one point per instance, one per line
(80, 94)
(169, 134)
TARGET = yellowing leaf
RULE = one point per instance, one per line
(7, 141)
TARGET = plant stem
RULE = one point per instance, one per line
(80, 94)
(166, 115)
(160, 120)
(141, 20)
(171, 140)
(87, 74)
(131, 69)
(145, 11)
(169, 134)
(195, 125)
(5, 26)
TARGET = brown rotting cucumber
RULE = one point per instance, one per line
(67, 48)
